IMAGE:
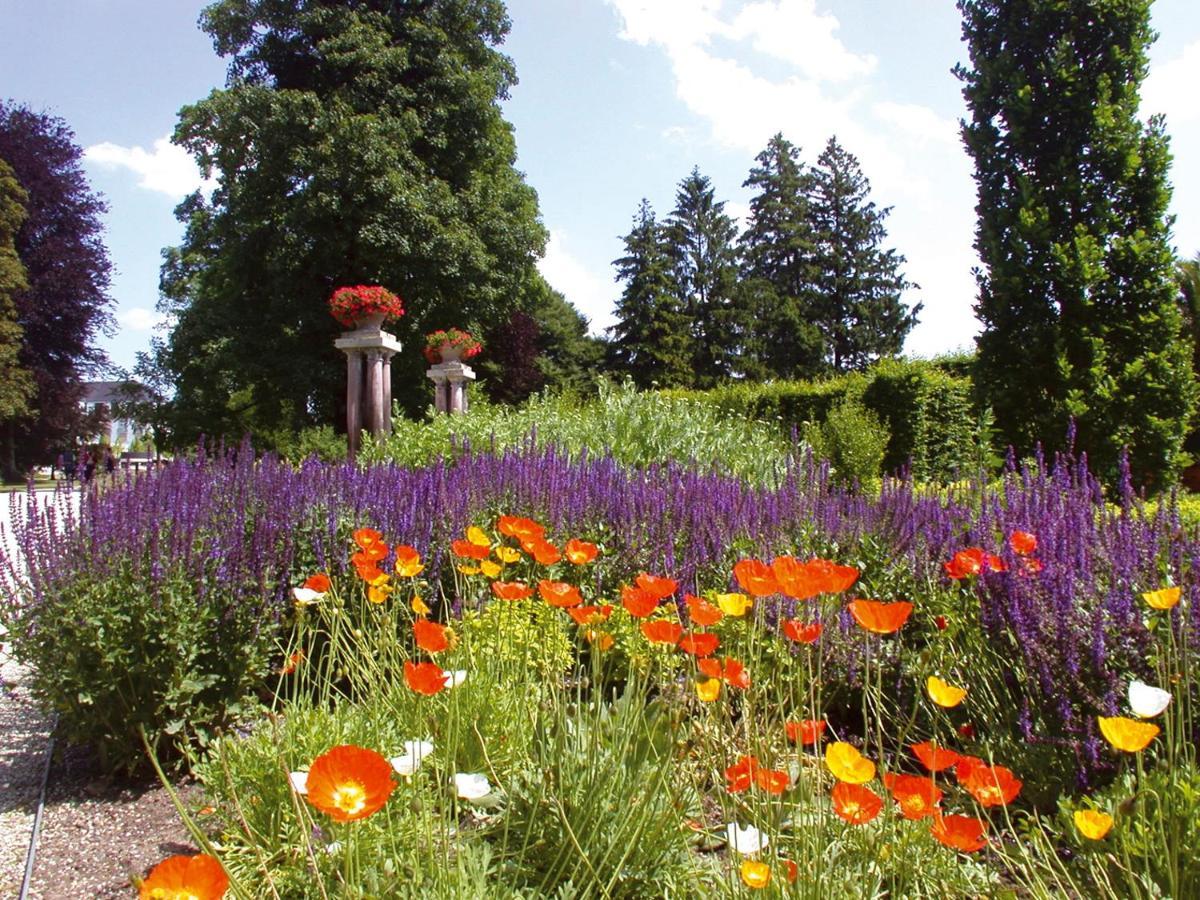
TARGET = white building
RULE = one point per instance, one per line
(121, 432)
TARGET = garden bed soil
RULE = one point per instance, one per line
(97, 833)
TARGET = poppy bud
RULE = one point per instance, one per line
(940, 622)
(967, 730)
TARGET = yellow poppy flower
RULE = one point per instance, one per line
(1125, 734)
(508, 554)
(378, 593)
(847, 764)
(1093, 824)
(489, 568)
(1163, 598)
(469, 570)
(755, 874)
(420, 607)
(944, 694)
(709, 689)
(734, 604)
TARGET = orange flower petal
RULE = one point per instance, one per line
(349, 783)
(580, 553)
(755, 577)
(699, 643)
(856, 804)
(701, 612)
(431, 637)
(662, 631)
(424, 678)
(559, 593)
(200, 877)
(880, 618)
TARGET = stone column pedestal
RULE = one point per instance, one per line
(369, 351)
(450, 381)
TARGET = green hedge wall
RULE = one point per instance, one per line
(929, 411)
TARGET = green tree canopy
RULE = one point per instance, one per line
(358, 141)
(855, 283)
(1076, 294)
(16, 382)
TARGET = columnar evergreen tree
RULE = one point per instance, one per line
(66, 302)
(358, 141)
(856, 283)
(1076, 293)
(652, 341)
(778, 251)
(700, 239)
(16, 382)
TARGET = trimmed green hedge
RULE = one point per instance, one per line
(928, 410)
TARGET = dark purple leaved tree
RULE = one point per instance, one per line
(67, 303)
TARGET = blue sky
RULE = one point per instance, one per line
(617, 100)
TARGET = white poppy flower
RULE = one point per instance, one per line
(299, 782)
(471, 786)
(746, 840)
(455, 678)
(306, 596)
(414, 754)
(1147, 701)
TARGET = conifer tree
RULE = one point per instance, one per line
(856, 283)
(700, 240)
(1076, 294)
(652, 340)
(778, 263)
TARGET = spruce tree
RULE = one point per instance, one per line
(1076, 293)
(700, 238)
(856, 283)
(652, 340)
(778, 259)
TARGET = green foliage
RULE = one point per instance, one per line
(1076, 296)
(16, 382)
(854, 441)
(354, 143)
(640, 429)
(112, 655)
(321, 441)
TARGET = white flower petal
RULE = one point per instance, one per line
(455, 678)
(746, 840)
(471, 785)
(1147, 701)
(414, 754)
(306, 596)
(299, 782)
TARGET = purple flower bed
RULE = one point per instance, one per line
(252, 528)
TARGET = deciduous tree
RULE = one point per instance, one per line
(16, 383)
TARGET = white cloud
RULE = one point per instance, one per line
(1170, 88)
(591, 294)
(919, 123)
(138, 318)
(793, 31)
(168, 169)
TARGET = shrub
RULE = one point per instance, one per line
(854, 441)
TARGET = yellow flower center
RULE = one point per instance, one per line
(350, 798)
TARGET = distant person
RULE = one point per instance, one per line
(110, 462)
(69, 465)
(89, 466)
(58, 465)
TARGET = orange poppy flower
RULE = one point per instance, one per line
(933, 757)
(601, 640)
(755, 577)
(918, 797)
(559, 593)
(794, 578)
(701, 612)
(372, 554)
(349, 783)
(580, 553)
(656, 586)
(802, 632)
(662, 631)
(731, 671)
(965, 765)
(511, 590)
(1023, 543)
(773, 781)
(199, 877)
(319, 583)
(425, 677)
(292, 663)
(543, 551)
(973, 561)
(741, 774)
(468, 550)
(831, 577)
(367, 538)
(378, 593)
(880, 618)
(856, 804)
(992, 785)
(431, 637)
(959, 832)
(637, 601)
(699, 643)
(805, 732)
(590, 615)
(791, 871)
(520, 528)
(408, 561)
